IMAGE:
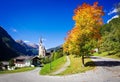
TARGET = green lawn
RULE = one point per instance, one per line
(105, 54)
(76, 66)
(102, 54)
(17, 70)
(55, 65)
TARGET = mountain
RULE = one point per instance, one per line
(33, 45)
(8, 47)
(54, 48)
(32, 49)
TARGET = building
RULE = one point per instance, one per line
(96, 49)
(23, 61)
(4, 65)
(42, 50)
(36, 61)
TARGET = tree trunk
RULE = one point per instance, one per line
(82, 60)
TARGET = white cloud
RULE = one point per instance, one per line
(116, 16)
(26, 41)
(113, 11)
(14, 30)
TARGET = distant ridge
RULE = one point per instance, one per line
(32, 49)
(54, 48)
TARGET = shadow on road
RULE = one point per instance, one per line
(103, 63)
(95, 57)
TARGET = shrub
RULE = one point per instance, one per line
(118, 54)
(11, 63)
(46, 60)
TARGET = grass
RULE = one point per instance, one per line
(105, 54)
(76, 66)
(55, 65)
(23, 69)
(102, 54)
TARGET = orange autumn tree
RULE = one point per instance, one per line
(88, 20)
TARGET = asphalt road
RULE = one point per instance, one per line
(107, 70)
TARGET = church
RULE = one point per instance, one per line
(41, 54)
(42, 50)
(23, 61)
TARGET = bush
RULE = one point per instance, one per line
(1, 64)
(11, 63)
(111, 53)
(46, 60)
(54, 56)
(118, 54)
(58, 54)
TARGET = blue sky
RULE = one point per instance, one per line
(28, 20)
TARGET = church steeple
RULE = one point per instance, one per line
(40, 40)
(42, 50)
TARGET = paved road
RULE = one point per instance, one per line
(64, 67)
(107, 70)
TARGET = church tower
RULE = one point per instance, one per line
(42, 50)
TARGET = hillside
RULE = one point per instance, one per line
(111, 35)
(54, 48)
(110, 44)
(9, 48)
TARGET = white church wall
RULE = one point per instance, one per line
(42, 50)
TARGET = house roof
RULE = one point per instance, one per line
(35, 57)
(24, 57)
(20, 62)
(5, 62)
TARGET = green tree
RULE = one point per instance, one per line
(11, 63)
(111, 36)
(1, 64)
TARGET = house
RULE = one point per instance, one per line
(22, 61)
(96, 49)
(36, 61)
(4, 65)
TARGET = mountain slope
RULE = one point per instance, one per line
(54, 48)
(8, 47)
(32, 49)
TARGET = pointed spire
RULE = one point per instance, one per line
(42, 50)
(40, 40)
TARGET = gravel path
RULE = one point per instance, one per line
(64, 67)
(107, 70)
